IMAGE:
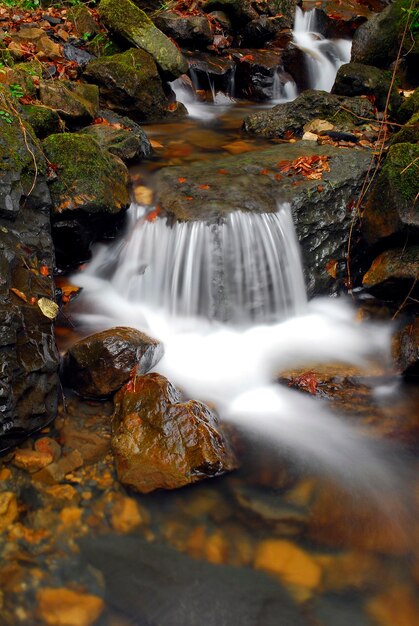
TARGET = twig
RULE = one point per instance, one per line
(405, 300)
(410, 165)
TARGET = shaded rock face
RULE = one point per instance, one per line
(255, 72)
(252, 182)
(120, 136)
(28, 357)
(312, 104)
(161, 442)
(100, 364)
(191, 30)
(131, 23)
(393, 273)
(356, 79)
(266, 29)
(185, 588)
(129, 84)
(209, 72)
(392, 208)
(76, 103)
(294, 62)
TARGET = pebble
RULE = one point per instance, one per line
(32, 460)
(8, 509)
(65, 607)
(126, 515)
(289, 562)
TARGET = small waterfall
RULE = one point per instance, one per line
(245, 268)
(323, 56)
(283, 91)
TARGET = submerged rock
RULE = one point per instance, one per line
(29, 360)
(162, 442)
(88, 179)
(127, 20)
(345, 113)
(129, 83)
(100, 364)
(392, 205)
(356, 79)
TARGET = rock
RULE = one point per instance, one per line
(160, 442)
(89, 179)
(44, 120)
(131, 23)
(391, 207)
(312, 104)
(74, 53)
(239, 11)
(91, 445)
(356, 79)
(28, 374)
(322, 217)
(226, 595)
(32, 460)
(100, 364)
(377, 41)
(255, 72)
(44, 46)
(406, 349)
(409, 133)
(396, 605)
(61, 606)
(8, 510)
(188, 30)
(120, 136)
(294, 62)
(126, 515)
(393, 272)
(74, 102)
(409, 108)
(209, 72)
(265, 29)
(83, 20)
(289, 562)
(129, 84)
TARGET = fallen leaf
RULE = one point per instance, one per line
(222, 171)
(19, 294)
(204, 186)
(156, 144)
(181, 180)
(48, 307)
(331, 267)
(44, 270)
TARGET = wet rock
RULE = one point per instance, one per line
(73, 53)
(392, 204)
(74, 102)
(292, 116)
(126, 515)
(393, 272)
(239, 11)
(192, 30)
(88, 179)
(91, 445)
(131, 23)
(406, 349)
(185, 588)
(209, 72)
(377, 41)
(100, 364)
(356, 79)
(267, 29)
(294, 62)
(409, 108)
(44, 120)
(255, 72)
(129, 84)
(161, 442)
(321, 208)
(28, 373)
(8, 510)
(32, 460)
(120, 136)
(63, 606)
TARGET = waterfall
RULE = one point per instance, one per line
(283, 91)
(323, 56)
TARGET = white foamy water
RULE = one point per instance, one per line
(156, 278)
(323, 56)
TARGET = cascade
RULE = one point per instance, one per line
(323, 56)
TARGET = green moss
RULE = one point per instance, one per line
(43, 119)
(401, 171)
(88, 178)
(409, 133)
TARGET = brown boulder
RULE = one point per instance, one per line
(161, 442)
(100, 364)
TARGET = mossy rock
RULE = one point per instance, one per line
(344, 113)
(89, 179)
(74, 102)
(122, 142)
(393, 204)
(83, 20)
(357, 79)
(409, 107)
(130, 84)
(409, 133)
(131, 23)
(377, 41)
(44, 120)
(24, 75)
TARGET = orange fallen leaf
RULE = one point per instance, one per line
(204, 186)
(307, 381)
(264, 172)
(189, 198)
(156, 144)
(331, 267)
(222, 171)
(19, 294)
(44, 270)
(181, 180)
(152, 216)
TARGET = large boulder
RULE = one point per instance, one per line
(129, 84)
(356, 79)
(344, 113)
(163, 442)
(76, 103)
(131, 23)
(377, 41)
(100, 364)
(120, 136)
(392, 207)
(28, 357)
(255, 181)
(189, 30)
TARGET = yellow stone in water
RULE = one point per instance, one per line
(289, 562)
(64, 607)
(8, 509)
(143, 195)
(126, 515)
